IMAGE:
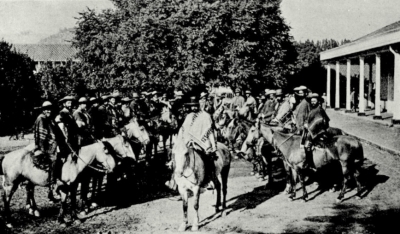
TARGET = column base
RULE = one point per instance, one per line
(395, 121)
(337, 108)
(361, 114)
(348, 111)
(377, 117)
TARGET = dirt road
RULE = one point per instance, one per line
(251, 207)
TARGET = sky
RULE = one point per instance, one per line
(28, 21)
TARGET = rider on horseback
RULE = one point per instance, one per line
(45, 152)
(198, 128)
(316, 124)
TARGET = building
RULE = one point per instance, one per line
(377, 57)
(56, 54)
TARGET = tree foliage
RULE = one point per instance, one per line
(184, 43)
(18, 88)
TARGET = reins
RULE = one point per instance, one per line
(87, 164)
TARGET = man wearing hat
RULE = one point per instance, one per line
(177, 107)
(46, 139)
(66, 122)
(251, 103)
(198, 127)
(315, 126)
(203, 101)
(268, 110)
(113, 117)
(127, 112)
(237, 101)
(84, 123)
(134, 105)
(283, 112)
(95, 117)
(302, 109)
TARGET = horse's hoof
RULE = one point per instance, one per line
(182, 227)
(30, 211)
(223, 213)
(195, 228)
(94, 206)
(36, 213)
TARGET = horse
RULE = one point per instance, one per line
(346, 150)
(138, 137)
(194, 177)
(165, 124)
(221, 122)
(17, 167)
(122, 149)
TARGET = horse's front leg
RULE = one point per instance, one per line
(32, 207)
(73, 189)
(217, 185)
(64, 191)
(185, 198)
(303, 186)
(196, 196)
(293, 181)
(345, 171)
(9, 190)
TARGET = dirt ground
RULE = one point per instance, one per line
(252, 208)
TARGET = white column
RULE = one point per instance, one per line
(361, 102)
(328, 85)
(348, 79)
(396, 107)
(337, 91)
(378, 87)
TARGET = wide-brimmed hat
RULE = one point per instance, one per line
(193, 101)
(93, 100)
(126, 99)
(178, 93)
(279, 92)
(105, 97)
(270, 92)
(262, 97)
(82, 100)
(314, 95)
(115, 95)
(302, 87)
(248, 92)
(46, 105)
(237, 90)
(266, 90)
(67, 98)
(135, 95)
(203, 94)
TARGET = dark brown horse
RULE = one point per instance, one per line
(346, 150)
(194, 177)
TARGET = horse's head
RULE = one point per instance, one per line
(169, 118)
(223, 120)
(136, 131)
(251, 139)
(179, 155)
(104, 156)
(233, 133)
(121, 146)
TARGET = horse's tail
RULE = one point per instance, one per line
(1, 164)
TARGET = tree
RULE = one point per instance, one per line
(184, 43)
(18, 89)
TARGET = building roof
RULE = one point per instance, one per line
(385, 36)
(38, 52)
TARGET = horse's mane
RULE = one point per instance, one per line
(109, 148)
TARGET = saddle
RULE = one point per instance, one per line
(41, 160)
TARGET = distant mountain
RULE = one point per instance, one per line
(64, 36)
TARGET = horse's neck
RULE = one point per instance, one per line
(86, 156)
(266, 133)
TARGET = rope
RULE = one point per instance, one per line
(94, 168)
